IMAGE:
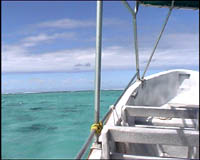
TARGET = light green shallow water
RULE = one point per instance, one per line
(49, 125)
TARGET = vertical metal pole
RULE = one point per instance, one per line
(98, 62)
(134, 13)
(136, 40)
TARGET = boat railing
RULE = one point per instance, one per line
(92, 133)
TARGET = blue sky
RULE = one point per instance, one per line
(50, 46)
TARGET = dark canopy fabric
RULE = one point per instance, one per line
(177, 4)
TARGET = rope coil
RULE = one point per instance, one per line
(97, 127)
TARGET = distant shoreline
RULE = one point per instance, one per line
(60, 91)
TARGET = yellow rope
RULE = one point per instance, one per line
(97, 127)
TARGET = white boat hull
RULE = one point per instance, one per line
(161, 105)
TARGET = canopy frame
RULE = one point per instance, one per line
(98, 62)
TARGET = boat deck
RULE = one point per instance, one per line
(167, 130)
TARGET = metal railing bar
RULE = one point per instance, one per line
(128, 6)
(98, 63)
(156, 44)
(86, 145)
(134, 13)
(136, 41)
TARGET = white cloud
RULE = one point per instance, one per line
(18, 58)
(16, 61)
(37, 39)
(169, 58)
(67, 23)
(182, 40)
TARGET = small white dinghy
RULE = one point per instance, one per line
(156, 117)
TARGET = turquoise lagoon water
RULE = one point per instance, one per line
(49, 125)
